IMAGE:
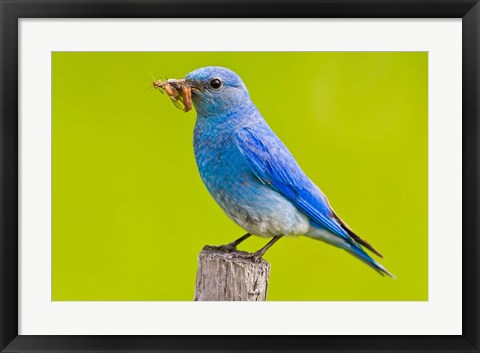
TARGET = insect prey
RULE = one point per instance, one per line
(178, 91)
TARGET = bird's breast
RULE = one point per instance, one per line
(219, 161)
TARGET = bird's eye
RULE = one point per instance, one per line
(216, 83)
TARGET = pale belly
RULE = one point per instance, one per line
(262, 211)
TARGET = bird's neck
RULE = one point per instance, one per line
(220, 127)
(223, 119)
(221, 106)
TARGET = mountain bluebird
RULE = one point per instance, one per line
(251, 174)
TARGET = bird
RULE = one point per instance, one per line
(252, 175)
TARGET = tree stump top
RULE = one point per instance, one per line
(230, 276)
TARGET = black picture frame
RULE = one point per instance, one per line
(12, 11)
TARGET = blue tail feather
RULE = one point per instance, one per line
(360, 254)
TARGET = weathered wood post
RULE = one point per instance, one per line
(230, 276)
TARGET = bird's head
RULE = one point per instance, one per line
(216, 91)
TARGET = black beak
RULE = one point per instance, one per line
(195, 86)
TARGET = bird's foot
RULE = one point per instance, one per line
(256, 256)
(230, 247)
(225, 248)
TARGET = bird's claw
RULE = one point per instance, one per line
(256, 256)
(224, 248)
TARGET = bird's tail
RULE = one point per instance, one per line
(360, 254)
(349, 245)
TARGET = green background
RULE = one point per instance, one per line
(130, 213)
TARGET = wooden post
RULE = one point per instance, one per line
(230, 276)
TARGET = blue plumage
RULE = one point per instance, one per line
(283, 174)
(252, 175)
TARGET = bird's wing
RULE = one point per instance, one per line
(273, 165)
